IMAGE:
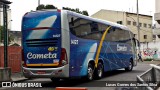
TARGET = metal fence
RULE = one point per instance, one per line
(149, 80)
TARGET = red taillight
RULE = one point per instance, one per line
(23, 62)
(63, 58)
(58, 10)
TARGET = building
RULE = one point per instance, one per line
(156, 31)
(15, 37)
(130, 20)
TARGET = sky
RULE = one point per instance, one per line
(20, 7)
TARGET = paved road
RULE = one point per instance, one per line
(109, 77)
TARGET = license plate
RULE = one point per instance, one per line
(41, 72)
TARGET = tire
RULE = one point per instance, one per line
(130, 67)
(90, 72)
(99, 71)
(55, 79)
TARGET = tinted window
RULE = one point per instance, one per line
(119, 35)
(84, 28)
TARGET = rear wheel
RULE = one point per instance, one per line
(130, 67)
(99, 71)
(90, 72)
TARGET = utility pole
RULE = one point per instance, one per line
(5, 29)
(138, 27)
(39, 2)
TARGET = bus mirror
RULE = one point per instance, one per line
(134, 41)
(72, 21)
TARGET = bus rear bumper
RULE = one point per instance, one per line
(60, 72)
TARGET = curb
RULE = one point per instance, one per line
(20, 80)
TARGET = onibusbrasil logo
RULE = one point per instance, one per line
(13, 84)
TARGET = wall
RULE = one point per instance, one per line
(14, 58)
(157, 6)
(151, 50)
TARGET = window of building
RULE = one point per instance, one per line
(145, 36)
(154, 37)
(119, 22)
(128, 22)
(149, 26)
(134, 23)
(140, 24)
(135, 35)
(145, 25)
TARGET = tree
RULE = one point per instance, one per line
(50, 7)
(1, 33)
(10, 38)
(85, 13)
(42, 6)
(76, 10)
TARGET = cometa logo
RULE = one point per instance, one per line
(121, 47)
(50, 49)
(41, 56)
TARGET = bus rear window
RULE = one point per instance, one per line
(41, 20)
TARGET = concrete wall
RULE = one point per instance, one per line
(151, 50)
(5, 74)
(157, 6)
(156, 31)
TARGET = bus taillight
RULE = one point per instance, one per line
(63, 59)
(58, 10)
(23, 62)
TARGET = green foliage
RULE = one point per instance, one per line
(85, 13)
(1, 33)
(50, 7)
(76, 10)
(40, 7)
(10, 38)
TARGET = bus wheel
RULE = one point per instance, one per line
(130, 67)
(90, 72)
(99, 71)
(55, 79)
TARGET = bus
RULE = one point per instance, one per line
(60, 44)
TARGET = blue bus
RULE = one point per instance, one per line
(61, 44)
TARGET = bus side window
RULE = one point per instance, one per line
(72, 21)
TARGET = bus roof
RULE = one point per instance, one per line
(98, 20)
(88, 18)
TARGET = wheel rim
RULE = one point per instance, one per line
(100, 70)
(90, 73)
(130, 66)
